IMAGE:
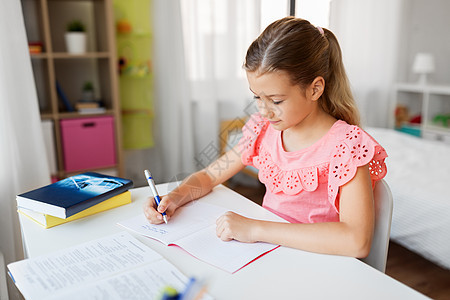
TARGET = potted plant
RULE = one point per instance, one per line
(75, 37)
(88, 92)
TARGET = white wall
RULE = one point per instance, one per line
(425, 29)
(379, 40)
(368, 33)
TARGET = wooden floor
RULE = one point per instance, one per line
(402, 264)
(417, 272)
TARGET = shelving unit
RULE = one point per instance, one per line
(45, 22)
(428, 101)
(134, 50)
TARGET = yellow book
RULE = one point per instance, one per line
(48, 221)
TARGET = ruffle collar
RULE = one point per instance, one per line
(353, 148)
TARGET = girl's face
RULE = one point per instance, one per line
(284, 105)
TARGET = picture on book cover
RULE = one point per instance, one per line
(89, 184)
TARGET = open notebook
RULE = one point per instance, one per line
(193, 228)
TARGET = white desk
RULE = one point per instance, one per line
(284, 273)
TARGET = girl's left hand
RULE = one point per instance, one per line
(231, 226)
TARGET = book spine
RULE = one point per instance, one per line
(63, 97)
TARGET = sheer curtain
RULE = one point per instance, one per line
(173, 130)
(22, 151)
(216, 35)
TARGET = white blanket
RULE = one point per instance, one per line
(419, 177)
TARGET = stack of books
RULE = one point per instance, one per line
(35, 47)
(86, 107)
(73, 198)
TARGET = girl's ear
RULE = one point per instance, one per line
(317, 88)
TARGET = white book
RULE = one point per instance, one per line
(193, 228)
(114, 267)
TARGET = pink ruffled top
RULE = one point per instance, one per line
(303, 186)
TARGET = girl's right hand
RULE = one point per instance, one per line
(154, 214)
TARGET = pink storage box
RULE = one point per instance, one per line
(88, 143)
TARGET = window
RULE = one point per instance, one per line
(217, 34)
(315, 11)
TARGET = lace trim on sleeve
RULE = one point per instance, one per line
(249, 142)
(357, 149)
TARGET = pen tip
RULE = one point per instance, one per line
(165, 219)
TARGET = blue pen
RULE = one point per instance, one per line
(195, 289)
(189, 290)
(151, 183)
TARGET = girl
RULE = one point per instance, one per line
(318, 166)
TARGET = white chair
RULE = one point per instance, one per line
(383, 216)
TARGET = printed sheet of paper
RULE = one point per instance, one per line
(145, 282)
(70, 270)
(193, 228)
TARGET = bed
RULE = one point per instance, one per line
(419, 177)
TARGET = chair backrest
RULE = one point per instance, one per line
(383, 216)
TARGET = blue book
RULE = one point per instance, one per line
(71, 195)
(63, 97)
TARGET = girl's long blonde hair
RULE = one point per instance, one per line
(304, 51)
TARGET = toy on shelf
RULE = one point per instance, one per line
(442, 120)
(405, 123)
(124, 26)
(401, 115)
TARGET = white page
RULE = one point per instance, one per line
(193, 229)
(187, 219)
(39, 277)
(229, 256)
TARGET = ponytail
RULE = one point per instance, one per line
(304, 52)
(337, 99)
